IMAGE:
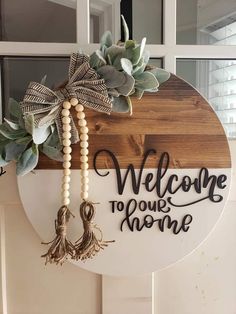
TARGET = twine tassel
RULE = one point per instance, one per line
(60, 247)
(91, 242)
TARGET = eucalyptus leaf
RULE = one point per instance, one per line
(106, 39)
(11, 134)
(40, 134)
(12, 124)
(120, 104)
(125, 28)
(28, 161)
(145, 81)
(13, 151)
(161, 75)
(126, 65)
(14, 108)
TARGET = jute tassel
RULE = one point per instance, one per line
(60, 247)
(91, 241)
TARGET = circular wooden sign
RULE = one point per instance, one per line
(161, 177)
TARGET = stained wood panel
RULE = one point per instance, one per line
(177, 119)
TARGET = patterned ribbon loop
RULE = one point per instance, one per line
(84, 84)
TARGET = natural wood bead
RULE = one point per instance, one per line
(84, 137)
(84, 129)
(66, 201)
(84, 158)
(80, 115)
(66, 134)
(65, 186)
(74, 101)
(66, 120)
(65, 112)
(66, 178)
(84, 188)
(84, 166)
(66, 105)
(66, 127)
(84, 180)
(83, 144)
(66, 164)
(67, 157)
(84, 195)
(66, 172)
(79, 108)
(67, 150)
(84, 173)
(84, 151)
(66, 142)
(65, 194)
(82, 122)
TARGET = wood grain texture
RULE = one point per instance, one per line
(177, 119)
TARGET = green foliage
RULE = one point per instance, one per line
(28, 160)
(125, 69)
(20, 140)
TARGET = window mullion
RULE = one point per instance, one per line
(83, 21)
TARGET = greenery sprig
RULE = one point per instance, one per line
(126, 71)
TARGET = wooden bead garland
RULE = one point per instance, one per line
(89, 244)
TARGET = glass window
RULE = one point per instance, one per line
(216, 80)
(37, 21)
(206, 22)
(18, 72)
(144, 19)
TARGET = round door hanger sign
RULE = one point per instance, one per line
(160, 177)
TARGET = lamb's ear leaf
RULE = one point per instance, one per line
(14, 108)
(160, 74)
(125, 28)
(106, 39)
(41, 134)
(126, 65)
(28, 160)
(138, 52)
(3, 162)
(12, 124)
(120, 104)
(43, 80)
(11, 134)
(51, 152)
(14, 150)
(146, 81)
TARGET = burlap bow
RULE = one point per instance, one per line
(84, 84)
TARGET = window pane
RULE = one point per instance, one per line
(206, 22)
(37, 21)
(144, 19)
(216, 80)
(18, 72)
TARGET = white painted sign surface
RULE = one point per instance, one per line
(134, 252)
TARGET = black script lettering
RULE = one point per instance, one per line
(2, 171)
(121, 183)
